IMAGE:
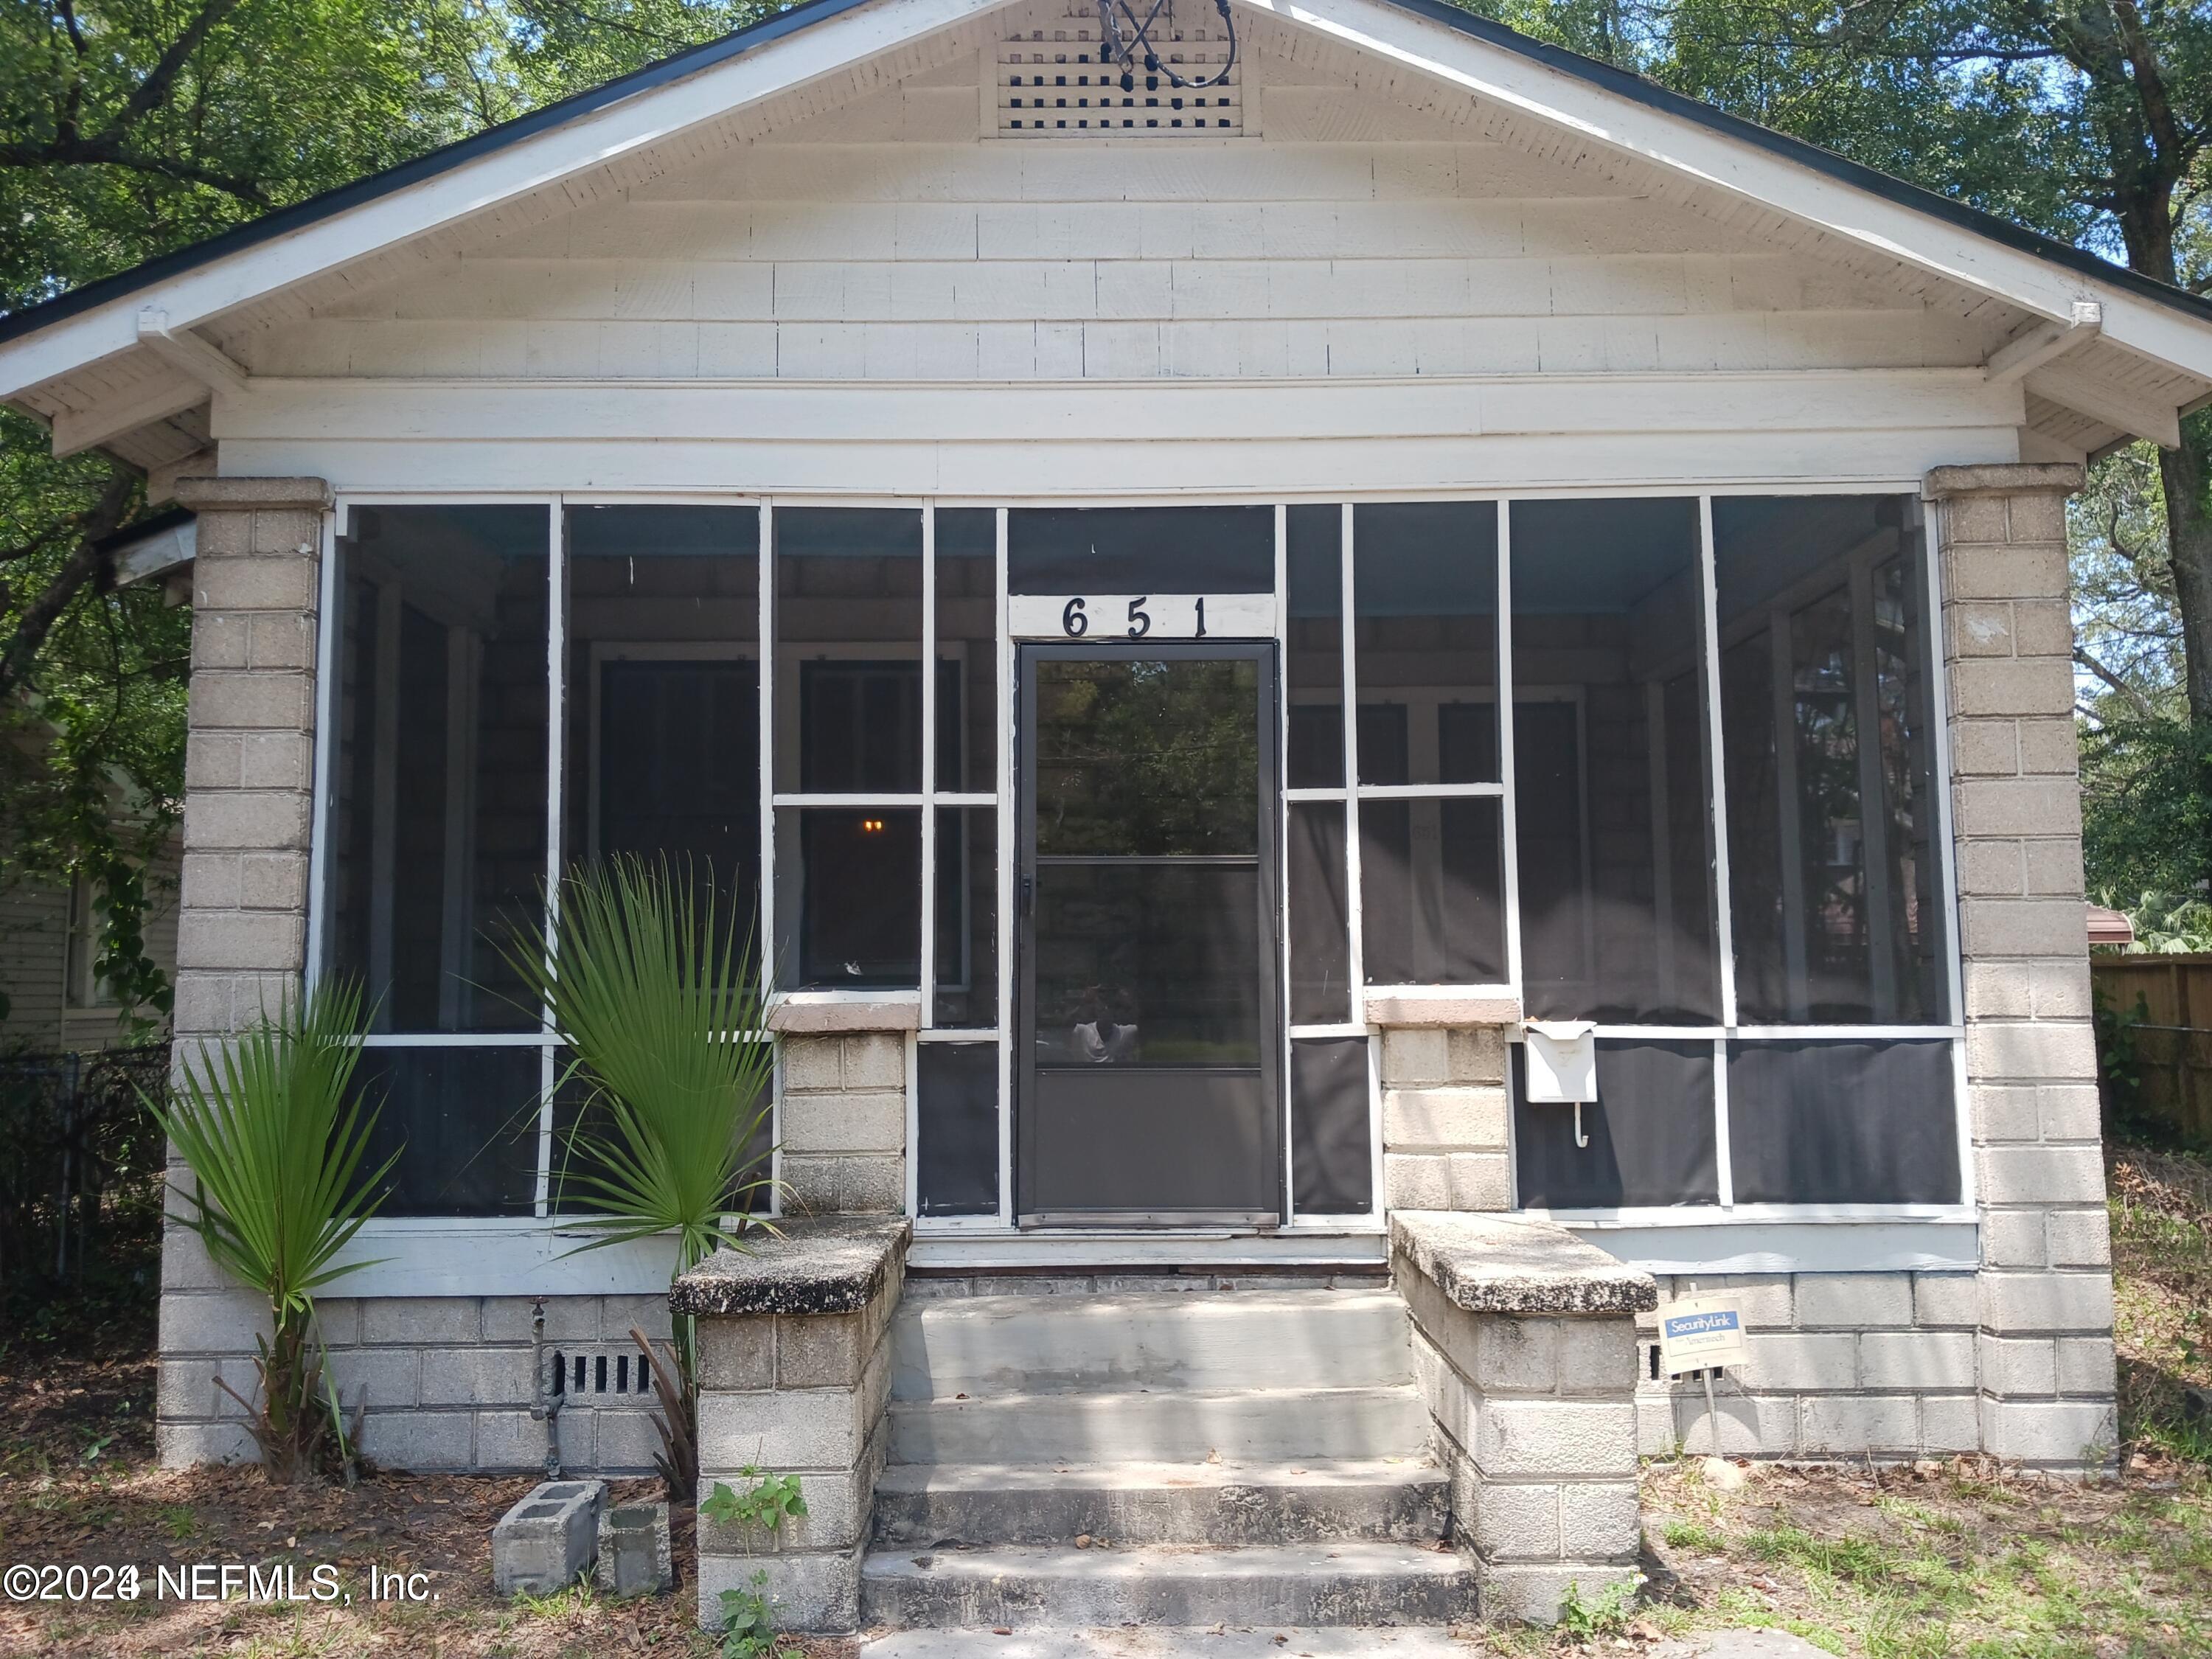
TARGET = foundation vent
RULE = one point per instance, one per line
(1058, 82)
(615, 1372)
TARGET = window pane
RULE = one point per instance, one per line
(1651, 1132)
(438, 824)
(1828, 1122)
(967, 917)
(1321, 938)
(1432, 892)
(968, 715)
(1610, 776)
(1425, 614)
(663, 748)
(956, 1114)
(848, 896)
(464, 1122)
(1331, 1150)
(1315, 567)
(848, 650)
(1147, 758)
(1148, 965)
(1832, 856)
(1141, 550)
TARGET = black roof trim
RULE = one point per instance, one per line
(1621, 81)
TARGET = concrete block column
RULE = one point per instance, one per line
(1445, 1115)
(242, 911)
(1524, 1349)
(794, 1375)
(843, 1101)
(2044, 1335)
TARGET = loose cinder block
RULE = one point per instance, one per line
(547, 1541)
(633, 1550)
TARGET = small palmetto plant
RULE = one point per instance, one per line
(656, 985)
(267, 1122)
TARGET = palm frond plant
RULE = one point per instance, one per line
(655, 983)
(276, 1138)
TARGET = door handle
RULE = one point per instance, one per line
(1028, 894)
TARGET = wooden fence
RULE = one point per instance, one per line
(2172, 1041)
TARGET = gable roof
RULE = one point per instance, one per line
(2039, 274)
(1619, 81)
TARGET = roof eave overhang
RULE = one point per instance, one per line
(1607, 106)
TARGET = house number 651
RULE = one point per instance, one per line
(1075, 620)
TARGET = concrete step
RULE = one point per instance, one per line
(919, 1505)
(1247, 1426)
(1160, 1339)
(1352, 1582)
(1174, 1642)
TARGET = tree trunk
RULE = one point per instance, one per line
(2186, 472)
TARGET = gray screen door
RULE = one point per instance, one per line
(1149, 1076)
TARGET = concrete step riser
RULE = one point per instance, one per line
(1161, 1428)
(1404, 1513)
(1195, 1597)
(1030, 1344)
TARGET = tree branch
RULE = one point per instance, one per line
(2134, 699)
(88, 564)
(155, 87)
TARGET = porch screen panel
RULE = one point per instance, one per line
(463, 1122)
(662, 750)
(1431, 886)
(1320, 914)
(967, 995)
(1825, 714)
(1650, 1131)
(1613, 798)
(957, 1112)
(1332, 1149)
(1843, 1121)
(847, 716)
(438, 828)
(967, 578)
(1425, 620)
(1313, 670)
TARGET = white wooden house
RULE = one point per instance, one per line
(1697, 501)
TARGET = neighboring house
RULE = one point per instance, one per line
(604, 482)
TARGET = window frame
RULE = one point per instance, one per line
(932, 797)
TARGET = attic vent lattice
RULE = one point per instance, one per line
(1058, 78)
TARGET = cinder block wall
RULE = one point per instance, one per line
(1445, 1118)
(1842, 1365)
(2044, 1332)
(843, 1124)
